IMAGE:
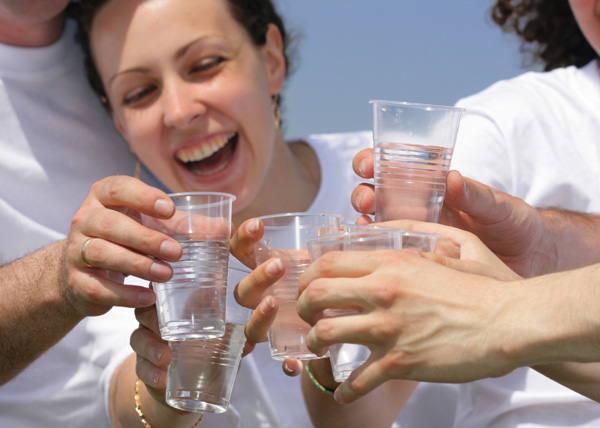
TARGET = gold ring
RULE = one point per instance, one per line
(83, 247)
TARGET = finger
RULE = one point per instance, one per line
(95, 295)
(123, 191)
(151, 347)
(361, 381)
(292, 367)
(261, 319)
(474, 198)
(116, 227)
(243, 240)
(249, 291)
(358, 329)
(347, 264)
(364, 220)
(151, 375)
(148, 318)
(363, 198)
(103, 254)
(362, 164)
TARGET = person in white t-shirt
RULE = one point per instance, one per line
(535, 137)
(56, 142)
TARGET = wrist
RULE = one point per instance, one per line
(319, 373)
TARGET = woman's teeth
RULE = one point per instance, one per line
(205, 151)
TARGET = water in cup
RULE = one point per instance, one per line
(201, 374)
(287, 335)
(199, 280)
(412, 150)
(410, 181)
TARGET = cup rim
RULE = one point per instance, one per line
(422, 106)
(350, 234)
(225, 195)
(339, 217)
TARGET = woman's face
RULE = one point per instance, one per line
(587, 14)
(190, 92)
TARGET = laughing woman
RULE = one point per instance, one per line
(193, 87)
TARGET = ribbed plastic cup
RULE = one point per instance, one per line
(285, 237)
(412, 149)
(202, 373)
(191, 305)
(346, 357)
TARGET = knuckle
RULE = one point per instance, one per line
(385, 292)
(113, 185)
(324, 331)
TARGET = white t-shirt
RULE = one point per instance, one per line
(537, 137)
(56, 141)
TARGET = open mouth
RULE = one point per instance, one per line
(211, 157)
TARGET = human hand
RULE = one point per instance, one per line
(421, 320)
(106, 242)
(511, 228)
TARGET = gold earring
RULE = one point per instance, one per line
(276, 111)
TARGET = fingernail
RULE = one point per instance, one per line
(337, 396)
(160, 271)
(252, 226)
(170, 249)
(163, 207)
(274, 267)
(358, 199)
(146, 298)
(267, 306)
(466, 188)
(287, 369)
(158, 354)
(155, 378)
(362, 167)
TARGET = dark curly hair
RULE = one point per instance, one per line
(548, 31)
(254, 15)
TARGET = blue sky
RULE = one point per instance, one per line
(351, 51)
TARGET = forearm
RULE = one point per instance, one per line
(35, 313)
(555, 318)
(573, 237)
(379, 408)
(156, 412)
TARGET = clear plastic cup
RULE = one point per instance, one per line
(346, 357)
(412, 149)
(191, 305)
(202, 373)
(285, 237)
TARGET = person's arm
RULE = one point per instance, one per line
(530, 241)
(35, 312)
(379, 408)
(46, 293)
(429, 322)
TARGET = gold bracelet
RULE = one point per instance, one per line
(138, 407)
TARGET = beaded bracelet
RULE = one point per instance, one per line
(138, 408)
(316, 382)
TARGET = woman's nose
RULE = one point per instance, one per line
(181, 105)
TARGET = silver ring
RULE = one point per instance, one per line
(83, 247)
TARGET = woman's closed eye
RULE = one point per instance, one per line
(138, 94)
(206, 65)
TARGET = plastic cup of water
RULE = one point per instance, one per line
(191, 305)
(285, 237)
(346, 357)
(202, 373)
(412, 150)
